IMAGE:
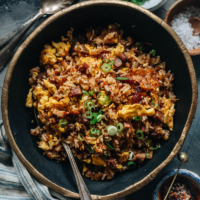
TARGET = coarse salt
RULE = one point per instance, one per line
(184, 29)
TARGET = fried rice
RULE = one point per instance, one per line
(100, 93)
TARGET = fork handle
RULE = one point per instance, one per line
(83, 191)
(6, 52)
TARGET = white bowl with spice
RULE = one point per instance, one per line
(178, 18)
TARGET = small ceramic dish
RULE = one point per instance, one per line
(175, 9)
(153, 5)
(193, 181)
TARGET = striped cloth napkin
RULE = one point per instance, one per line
(15, 180)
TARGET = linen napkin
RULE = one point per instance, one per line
(15, 181)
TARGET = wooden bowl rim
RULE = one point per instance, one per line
(155, 172)
(193, 52)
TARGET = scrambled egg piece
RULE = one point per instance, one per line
(169, 113)
(119, 166)
(51, 87)
(85, 169)
(88, 160)
(89, 48)
(130, 111)
(62, 48)
(53, 103)
(43, 145)
(58, 129)
(91, 61)
(98, 161)
(124, 157)
(47, 145)
(29, 100)
(119, 48)
(48, 56)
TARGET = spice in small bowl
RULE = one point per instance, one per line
(183, 28)
(185, 187)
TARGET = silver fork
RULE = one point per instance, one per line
(47, 7)
(83, 191)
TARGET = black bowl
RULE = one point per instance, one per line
(144, 27)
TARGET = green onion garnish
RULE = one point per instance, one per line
(85, 92)
(140, 46)
(112, 130)
(153, 102)
(106, 67)
(119, 127)
(98, 132)
(123, 150)
(90, 105)
(88, 114)
(63, 122)
(155, 148)
(136, 118)
(153, 52)
(92, 92)
(93, 132)
(100, 112)
(109, 145)
(85, 103)
(106, 60)
(131, 165)
(122, 78)
(81, 97)
(94, 43)
(107, 127)
(102, 88)
(139, 135)
(81, 137)
(102, 97)
(90, 148)
(108, 102)
(99, 118)
(147, 153)
(93, 119)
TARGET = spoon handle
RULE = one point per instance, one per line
(83, 191)
(6, 52)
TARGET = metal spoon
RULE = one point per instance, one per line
(195, 22)
(183, 157)
(83, 191)
(46, 7)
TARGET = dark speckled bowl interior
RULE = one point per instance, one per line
(142, 27)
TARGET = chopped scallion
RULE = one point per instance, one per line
(153, 52)
(139, 134)
(93, 119)
(88, 114)
(109, 145)
(63, 122)
(102, 97)
(119, 127)
(131, 165)
(85, 92)
(81, 137)
(112, 130)
(122, 78)
(140, 46)
(99, 118)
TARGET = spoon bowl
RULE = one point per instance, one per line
(177, 8)
(53, 6)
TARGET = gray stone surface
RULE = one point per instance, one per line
(14, 13)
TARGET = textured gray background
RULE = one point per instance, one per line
(14, 13)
